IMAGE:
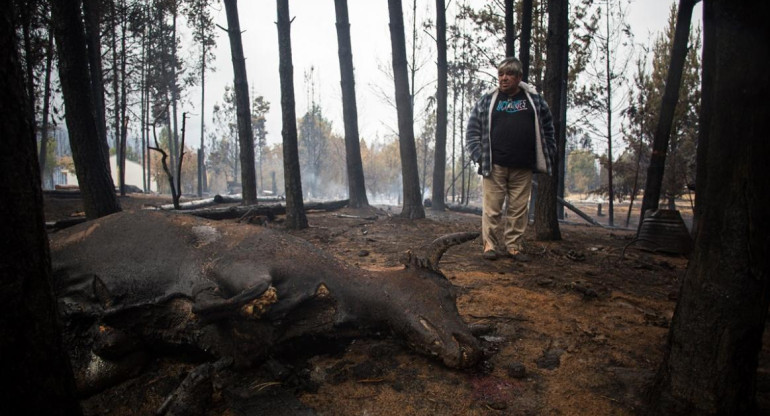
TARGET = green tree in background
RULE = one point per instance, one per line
(582, 176)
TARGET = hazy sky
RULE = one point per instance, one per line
(314, 44)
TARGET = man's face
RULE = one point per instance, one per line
(508, 81)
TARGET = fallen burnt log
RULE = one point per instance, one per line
(73, 191)
(136, 283)
(195, 204)
(200, 209)
(222, 199)
(67, 193)
(239, 211)
(577, 211)
(65, 223)
(217, 199)
(476, 210)
(464, 208)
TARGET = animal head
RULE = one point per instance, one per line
(429, 319)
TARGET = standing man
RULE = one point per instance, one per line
(510, 135)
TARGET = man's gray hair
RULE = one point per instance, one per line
(510, 64)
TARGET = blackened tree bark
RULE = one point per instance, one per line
(35, 367)
(439, 156)
(708, 63)
(668, 105)
(92, 19)
(89, 152)
(242, 105)
(510, 31)
(546, 218)
(710, 364)
(410, 175)
(43, 151)
(356, 182)
(295, 208)
(27, 15)
(526, 37)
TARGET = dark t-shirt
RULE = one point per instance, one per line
(513, 131)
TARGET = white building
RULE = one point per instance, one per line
(133, 175)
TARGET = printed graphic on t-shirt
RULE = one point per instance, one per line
(513, 132)
(511, 106)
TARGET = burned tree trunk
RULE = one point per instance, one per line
(715, 338)
(708, 65)
(526, 37)
(667, 108)
(439, 158)
(242, 104)
(295, 211)
(38, 377)
(510, 31)
(43, 151)
(546, 218)
(412, 204)
(356, 182)
(88, 150)
(92, 19)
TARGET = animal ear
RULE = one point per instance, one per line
(429, 255)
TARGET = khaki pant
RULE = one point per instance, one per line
(516, 185)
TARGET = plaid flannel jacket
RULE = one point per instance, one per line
(478, 133)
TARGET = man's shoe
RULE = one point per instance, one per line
(489, 255)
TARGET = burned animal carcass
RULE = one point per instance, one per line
(134, 282)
